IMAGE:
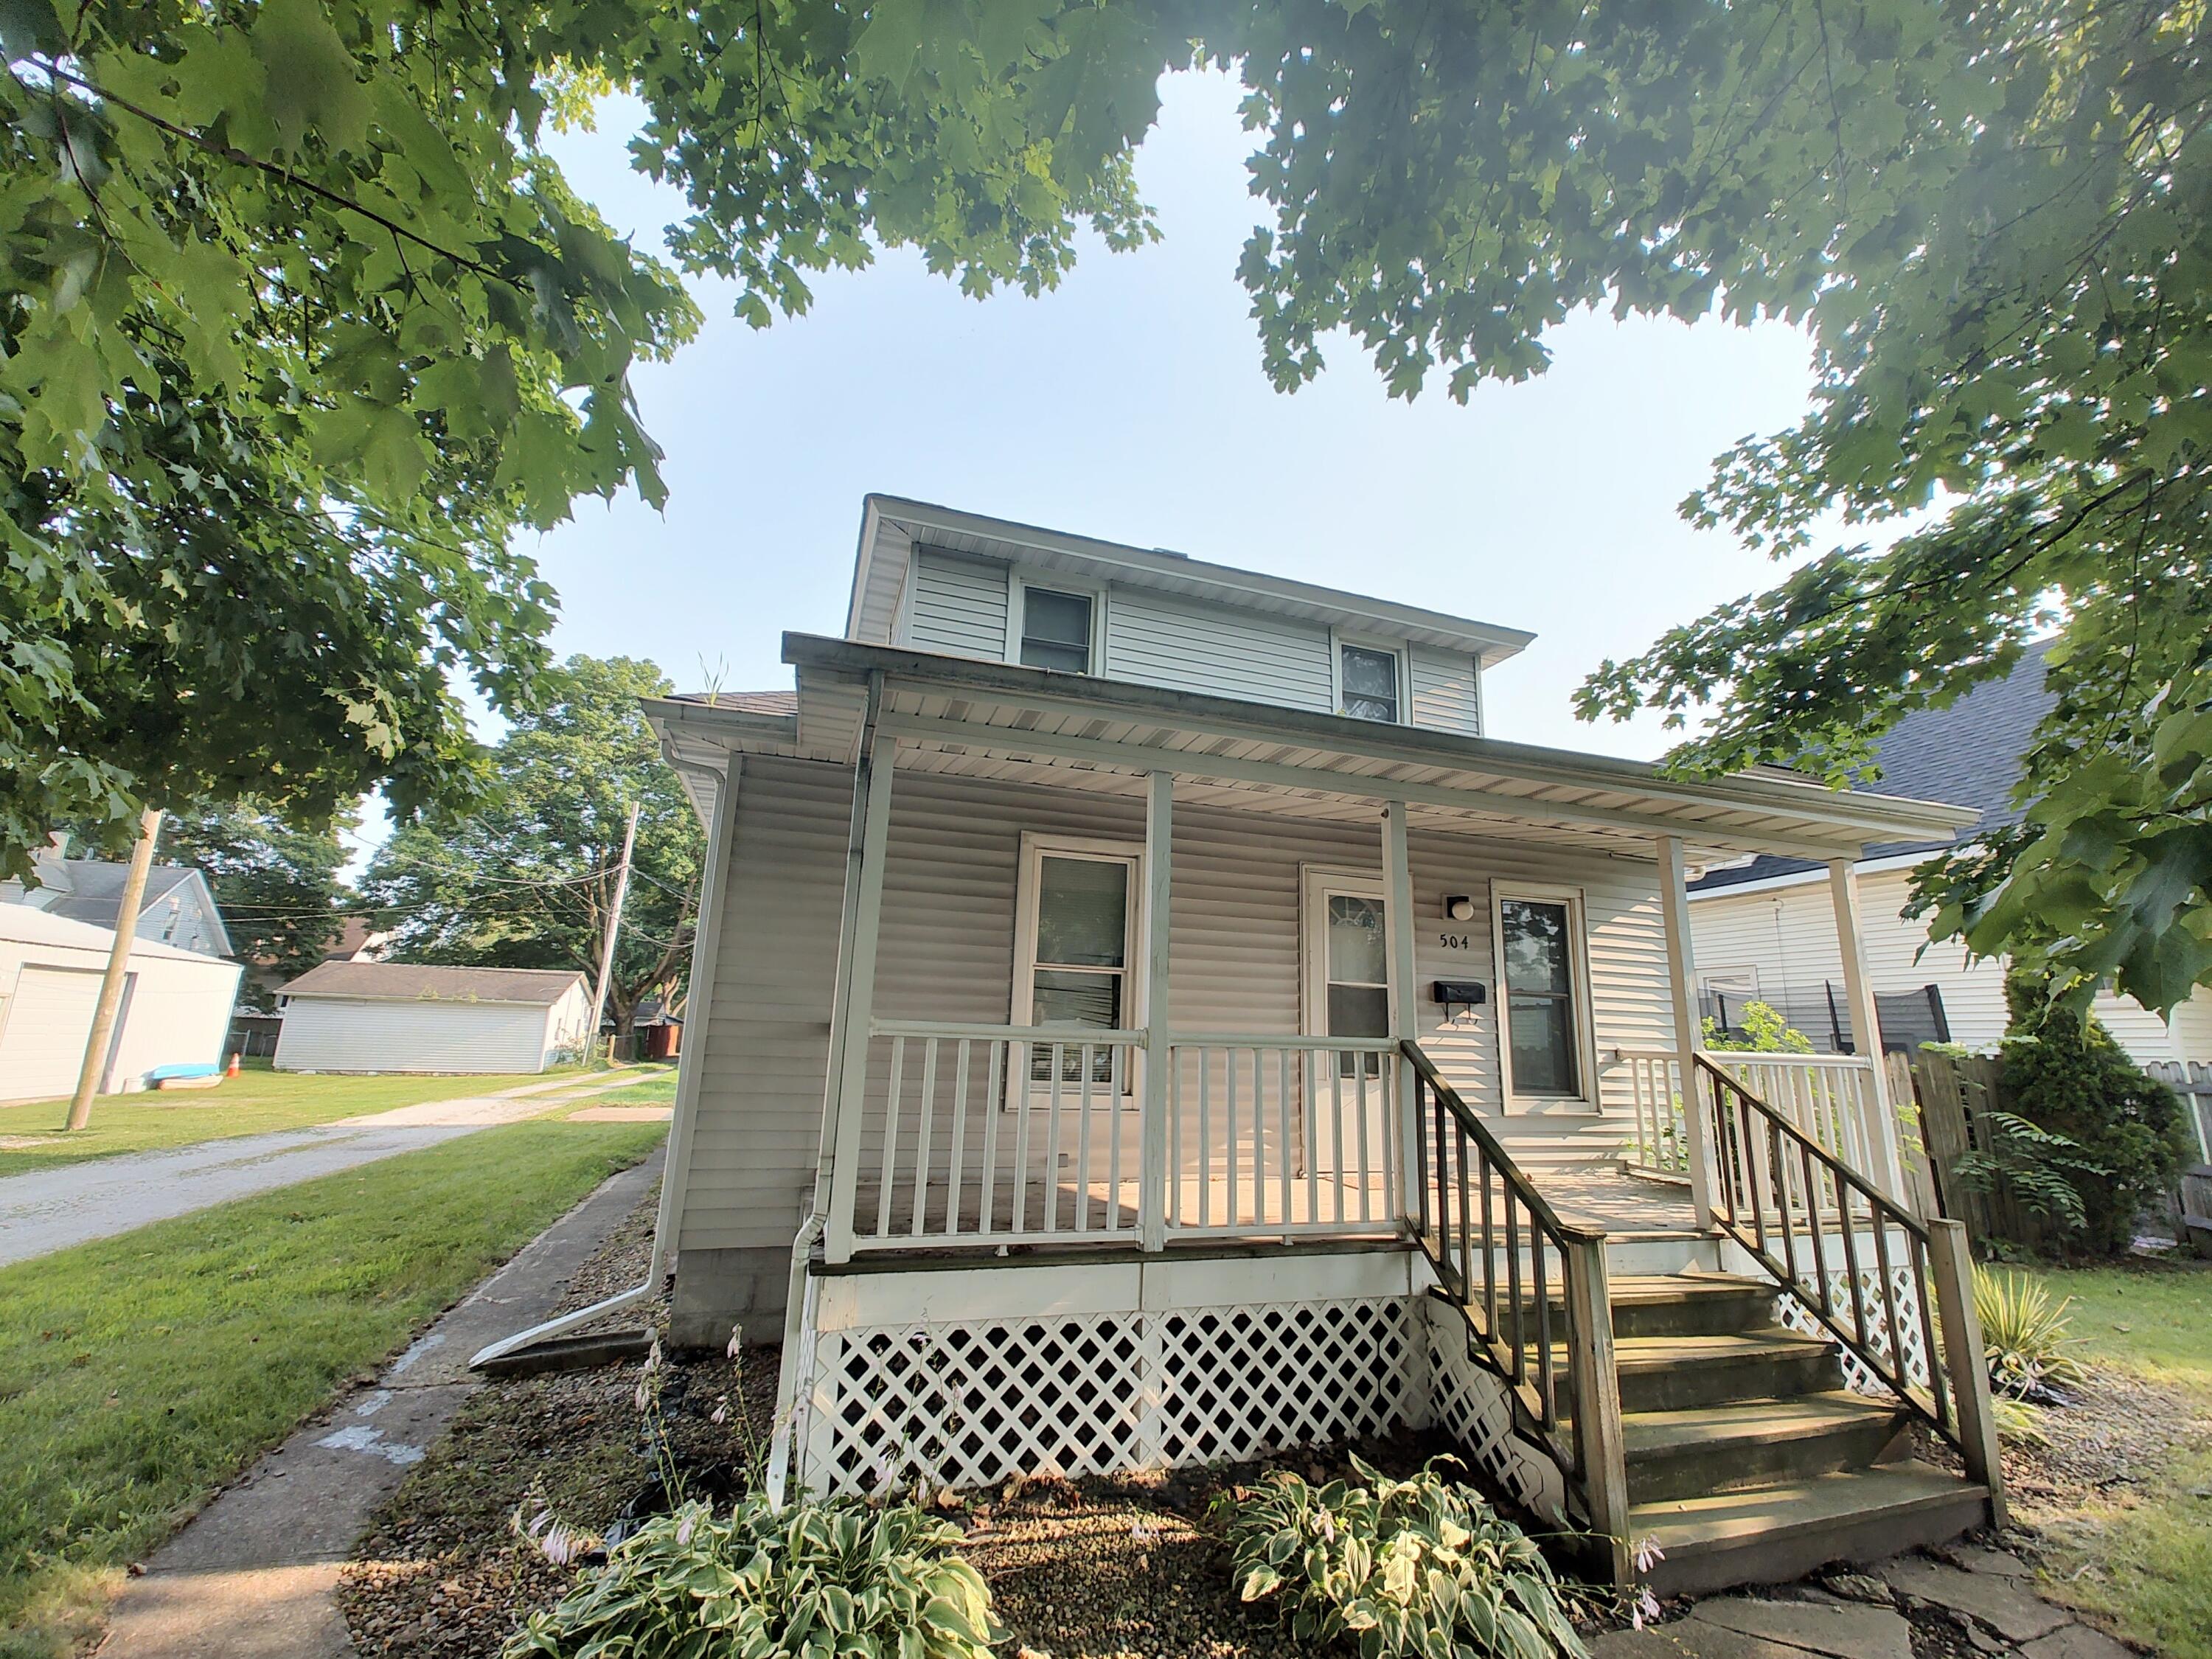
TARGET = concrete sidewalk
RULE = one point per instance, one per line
(254, 1575)
(45, 1210)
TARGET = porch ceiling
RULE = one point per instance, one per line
(969, 719)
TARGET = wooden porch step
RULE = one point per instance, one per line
(1777, 1532)
(1682, 1373)
(1752, 1443)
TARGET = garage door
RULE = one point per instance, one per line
(42, 1043)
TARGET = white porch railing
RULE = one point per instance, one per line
(1832, 1099)
(983, 1136)
(1282, 1135)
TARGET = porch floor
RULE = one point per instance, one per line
(1102, 1211)
(1624, 1204)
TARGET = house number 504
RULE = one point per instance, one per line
(1455, 941)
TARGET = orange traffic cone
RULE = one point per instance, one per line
(231, 1070)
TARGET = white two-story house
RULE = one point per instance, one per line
(1128, 985)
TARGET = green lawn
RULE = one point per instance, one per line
(250, 1103)
(2146, 1562)
(657, 1089)
(139, 1373)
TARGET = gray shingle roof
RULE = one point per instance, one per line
(407, 981)
(1967, 754)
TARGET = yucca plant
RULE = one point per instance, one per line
(812, 1579)
(1414, 1567)
(2024, 1334)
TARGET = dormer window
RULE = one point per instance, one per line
(1368, 678)
(1055, 631)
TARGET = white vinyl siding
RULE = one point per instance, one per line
(959, 606)
(175, 1011)
(346, 1034)
(1159, 639)
(947, 953)
(1788, 934)
(1447, 690)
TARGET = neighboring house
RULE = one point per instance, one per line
(1126, 985)
(1762, 925)
(175, 1007)
(178, 909)
(399, 1017)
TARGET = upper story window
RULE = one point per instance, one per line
(1369, 679)
(1055, 631)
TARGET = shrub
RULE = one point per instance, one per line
(2065, 1074)
(814, 1579)
(1761, 1030)
(2024, 1335)
(1399, 1567)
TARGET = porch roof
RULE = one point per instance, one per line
(968, 718)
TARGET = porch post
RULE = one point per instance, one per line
(1159, 881)
(855, 1011)
(1405, 995)
(1689, 1036)
(1866, 1031)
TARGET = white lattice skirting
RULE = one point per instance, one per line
(1909, 1337)
(966, 1378)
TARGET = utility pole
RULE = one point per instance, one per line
(118, 970)
(614, 923)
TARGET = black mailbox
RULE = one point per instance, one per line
(1460, 993)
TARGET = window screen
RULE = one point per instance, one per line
(1082, 956)
(1056, 631)
(1371, 683)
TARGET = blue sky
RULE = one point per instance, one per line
(1129, 404)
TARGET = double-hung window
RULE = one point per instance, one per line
(1076, 913)
(1056, 629)
(1540, 963)
(1368, 682)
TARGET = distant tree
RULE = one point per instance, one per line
(526, 878)
(277, 883)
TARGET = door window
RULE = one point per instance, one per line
(1081, 955)
(1537, 943)
(1356, 976)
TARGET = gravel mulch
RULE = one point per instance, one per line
(440, 1575)
(2121, 1433)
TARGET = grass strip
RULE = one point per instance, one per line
(2144, 1560)
(139, 1373)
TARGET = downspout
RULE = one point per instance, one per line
(675, 1175)
(798, 1316)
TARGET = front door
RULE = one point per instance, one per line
(1347, 994)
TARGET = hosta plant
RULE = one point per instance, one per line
(812, 1579)
(1414, 1567)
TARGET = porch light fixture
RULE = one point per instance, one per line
(1458, 907)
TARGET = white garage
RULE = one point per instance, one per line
(400, 1017)
(175, 1008)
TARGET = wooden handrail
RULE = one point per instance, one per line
(1794, 1202)
(1472, 1201)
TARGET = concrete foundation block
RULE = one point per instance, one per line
(717, 1289)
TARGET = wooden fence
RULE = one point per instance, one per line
(2193, 1083)
(1954, 1097)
